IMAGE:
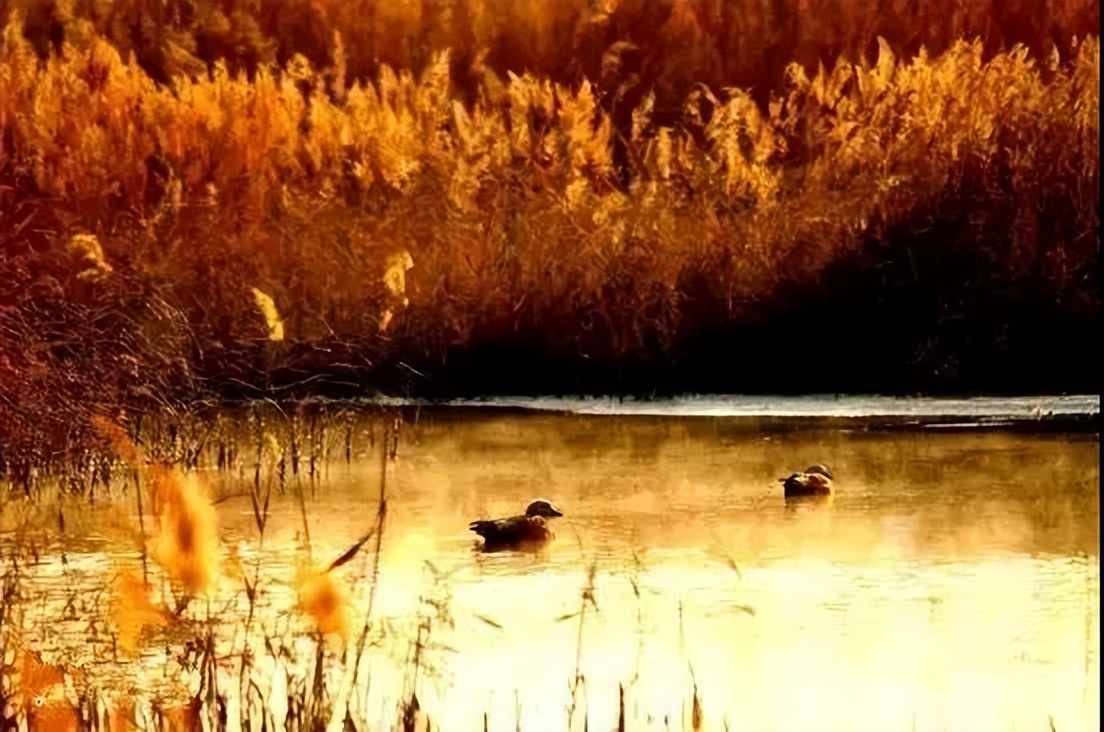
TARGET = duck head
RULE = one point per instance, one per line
(542, 507)
(820, 469)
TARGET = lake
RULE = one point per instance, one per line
(951, 583)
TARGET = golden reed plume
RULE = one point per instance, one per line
(186, 545)
(267, 306)
(326, 600)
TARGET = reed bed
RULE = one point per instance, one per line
(678, 43)
(341, 210)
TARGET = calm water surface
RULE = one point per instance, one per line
(952, 583)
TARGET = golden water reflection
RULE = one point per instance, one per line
(952, 583)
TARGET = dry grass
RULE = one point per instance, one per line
(144, 613)
(678, 43)
(438, 212)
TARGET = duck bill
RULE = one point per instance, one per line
(556, 511)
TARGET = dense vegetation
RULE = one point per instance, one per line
(226, 197)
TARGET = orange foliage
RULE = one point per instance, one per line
(869, 143)
(681, 42)
(600, 181)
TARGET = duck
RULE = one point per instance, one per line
(529, 529)
(815, 480)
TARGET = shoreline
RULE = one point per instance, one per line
(1079, 413)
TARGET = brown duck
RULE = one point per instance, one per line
(518, 531)
(815, 480)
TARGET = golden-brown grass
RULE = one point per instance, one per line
(504, 200)
(612, 223)
(680, 42)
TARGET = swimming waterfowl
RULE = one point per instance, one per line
(815, 480)
(517, 531)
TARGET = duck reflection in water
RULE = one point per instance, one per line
(528, 531)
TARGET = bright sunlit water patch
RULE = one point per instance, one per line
(951, 584)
